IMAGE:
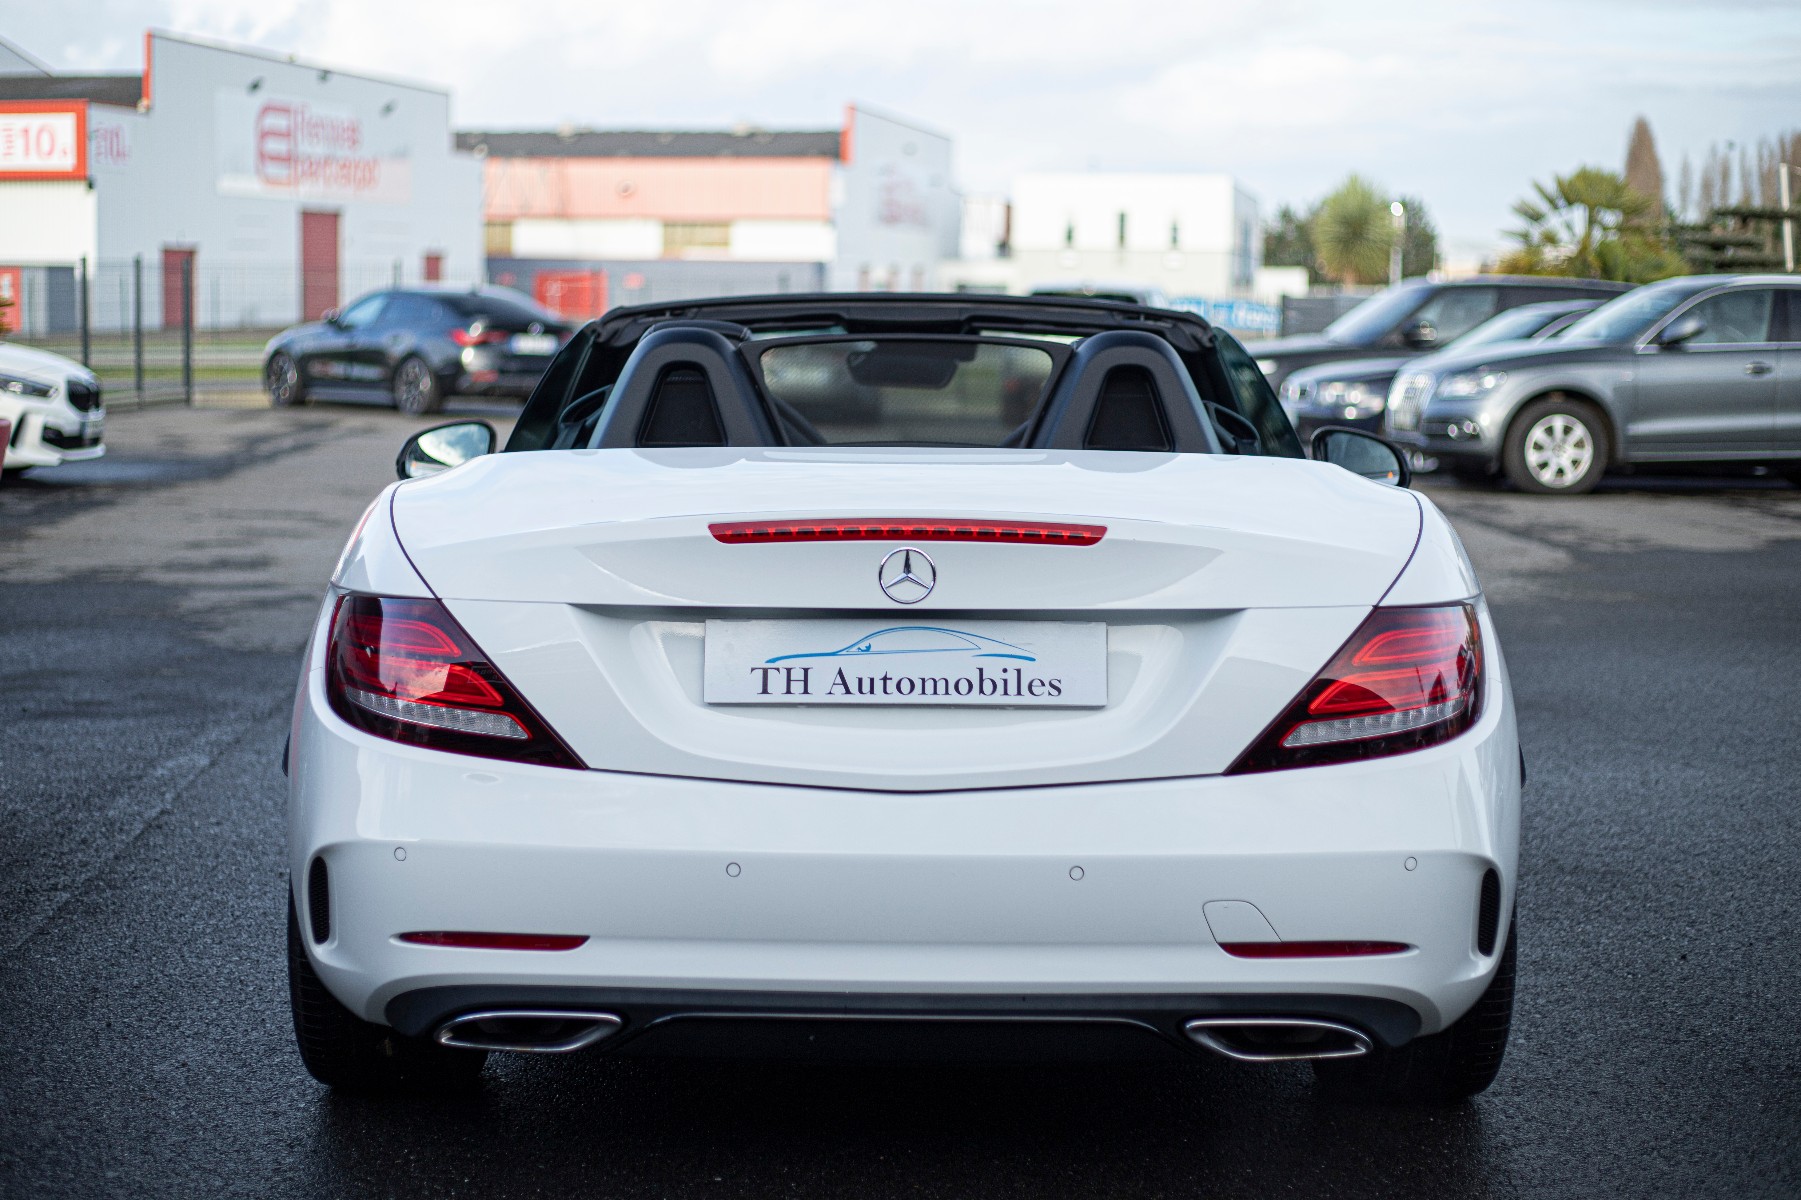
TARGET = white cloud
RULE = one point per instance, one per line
(1461, 102)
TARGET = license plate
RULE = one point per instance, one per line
(999, 664)
(534, 343)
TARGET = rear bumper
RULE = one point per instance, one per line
(822, 1024)
(1021, 897)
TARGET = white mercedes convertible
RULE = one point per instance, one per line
(878, 675)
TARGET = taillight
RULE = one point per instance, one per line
(475, 335)
(404, 669)
(1407, 679)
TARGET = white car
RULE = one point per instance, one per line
(1049, 694)
(54, 406)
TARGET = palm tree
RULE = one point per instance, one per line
(1591, 224)
(1352, 233)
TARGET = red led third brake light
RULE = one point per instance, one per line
(1031, 533)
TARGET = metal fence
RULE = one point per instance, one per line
(171, 329)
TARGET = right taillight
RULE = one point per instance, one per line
(1407, 679)
(403, 669)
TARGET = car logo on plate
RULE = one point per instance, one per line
(907, 575)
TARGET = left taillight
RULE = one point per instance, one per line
(1407, 679)
(403, 669)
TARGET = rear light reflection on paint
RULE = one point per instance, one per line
(495, 941)
(1031, 533)
(1312, 949)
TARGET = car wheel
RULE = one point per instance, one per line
(282, 378)
(1556, 447)
(416, 389)
(1440, 1068)
(344, 1051)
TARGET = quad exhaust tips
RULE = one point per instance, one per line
(528, 1031)
(1277, 1039)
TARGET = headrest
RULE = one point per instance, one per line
(684, 385)
(1124, 390)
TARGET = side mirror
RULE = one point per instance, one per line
(1685, 328)
(1420, 334)
(443, 447)
(330, 316)
(1362, 454)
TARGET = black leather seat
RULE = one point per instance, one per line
(685, 385)
(1124, 390)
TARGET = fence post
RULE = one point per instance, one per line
(137, 326)
(86, 316)
(187, 328)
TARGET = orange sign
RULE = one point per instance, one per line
(43, 139)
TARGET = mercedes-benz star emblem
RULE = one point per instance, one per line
(907, 576)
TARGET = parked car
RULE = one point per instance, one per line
(54, 407)
(1418, 316)
(713, 714)
(1700, 368)
(417, 346)
(1354, 392)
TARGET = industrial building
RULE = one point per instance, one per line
(585, 218)
(276, 188)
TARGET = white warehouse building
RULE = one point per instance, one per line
(1189, 235)
(280, 188)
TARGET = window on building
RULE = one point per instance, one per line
(1069, 234)
(681, 237)
(1122, 231)
(1175, 235)
(497, 238)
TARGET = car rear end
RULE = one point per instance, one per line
(622, 748)
(504, 342)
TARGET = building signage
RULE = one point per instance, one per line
(43, 141)
(289, 148)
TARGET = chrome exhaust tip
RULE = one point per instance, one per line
(1277, 1039)
(528, 1031)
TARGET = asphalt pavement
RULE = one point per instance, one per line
(152, 608)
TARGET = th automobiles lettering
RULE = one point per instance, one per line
(1004, 681)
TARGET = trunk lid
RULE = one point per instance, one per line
(1223, 583)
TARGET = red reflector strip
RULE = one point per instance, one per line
(496, 941)
(1311, 949)
(1035, 533)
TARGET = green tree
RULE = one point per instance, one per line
(1591, 224)
(1288, 241)
(1352, 233)
(1419, 244)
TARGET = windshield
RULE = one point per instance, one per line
(1378, 315)
(1508, 326)
(496, 305)
(894, 391)
(1624, 319)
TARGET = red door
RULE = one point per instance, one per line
(434, 268)
(173, 259)
(318, 263)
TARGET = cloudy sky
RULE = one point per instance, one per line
(1459, 102)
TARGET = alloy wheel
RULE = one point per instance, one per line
(413, 386)
(1560, 450)
(283, 380)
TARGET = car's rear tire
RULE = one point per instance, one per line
(1556, 447)
(344, 1051)
(416, 390)
(1440, 1068)
(281, 378)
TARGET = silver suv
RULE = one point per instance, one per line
(1702, 368)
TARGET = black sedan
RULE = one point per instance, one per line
(416, 346)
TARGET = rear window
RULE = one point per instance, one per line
(520, 309)
(906, 391)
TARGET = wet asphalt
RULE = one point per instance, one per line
(144, 1040)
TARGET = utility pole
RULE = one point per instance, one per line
(1398, 211)
(1788, 222)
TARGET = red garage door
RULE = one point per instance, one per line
(318, 264)
(174, 257)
